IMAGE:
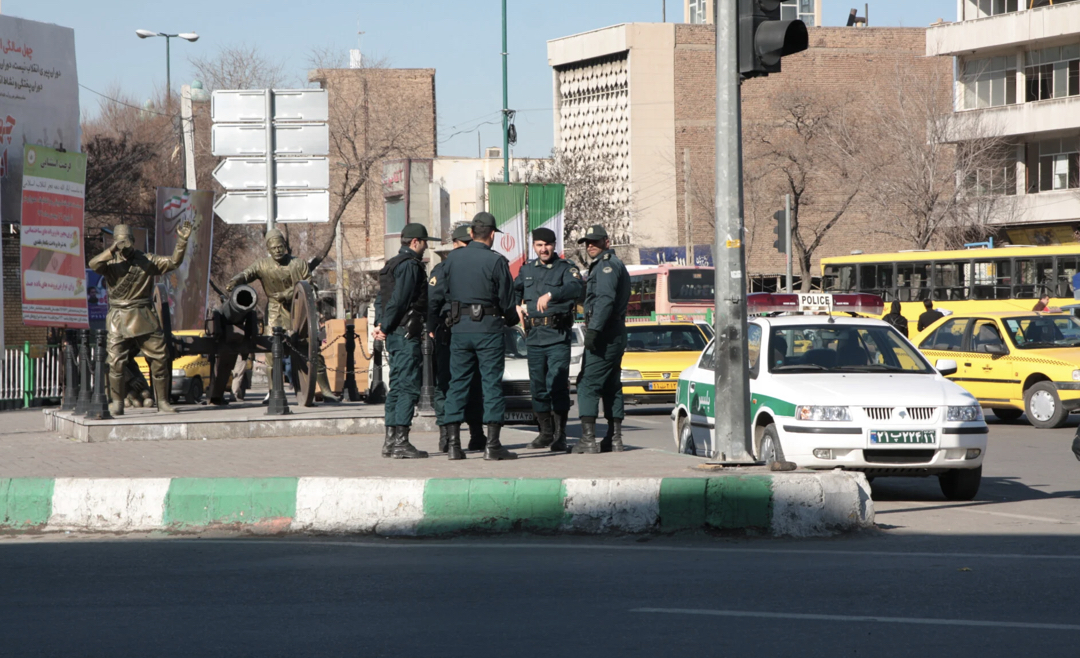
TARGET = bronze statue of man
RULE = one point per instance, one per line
(279, 274)
(132, 324)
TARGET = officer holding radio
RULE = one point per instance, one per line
(545, 293)
(481, 293)
(399, 320)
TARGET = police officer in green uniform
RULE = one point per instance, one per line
(439, 328)
(606, 296)
(545, 292)
(399, 320)
(481, 293)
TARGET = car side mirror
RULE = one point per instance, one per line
(997, 349)
(946, 367)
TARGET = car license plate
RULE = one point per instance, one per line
(517, 417)
(889, 437)
(663, 386)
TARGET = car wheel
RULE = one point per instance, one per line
(194, 392)
(1007, 415)
(960, 483)
(1043, 406)
(686, 437)
(769, 449)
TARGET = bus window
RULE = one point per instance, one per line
(642, 295)
(912, 281)
(993, 279)
(1025, 279)
(951, 280)
(691, 286)
(1066, 270)
(876, 279)
(840, 278)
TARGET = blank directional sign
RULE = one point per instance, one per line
(292, 206)
(301, 105)
(250, 173)
(229, 105)
(239, 139)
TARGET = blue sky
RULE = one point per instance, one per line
(459, 38)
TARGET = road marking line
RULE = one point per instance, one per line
(968, 508)
(865, 618)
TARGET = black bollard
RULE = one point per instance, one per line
(71, 373)
(351, 393)
(427, 385)
(278, 405)
(376, 387)
(99, 403)
(82, 405)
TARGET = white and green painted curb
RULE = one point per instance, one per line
(797, 505)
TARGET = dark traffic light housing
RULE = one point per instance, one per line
(780, 229)
(764, 38)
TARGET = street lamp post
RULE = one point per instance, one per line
(187, 36)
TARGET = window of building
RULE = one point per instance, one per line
(797, 10)
(697, 11)
(989, 82)
(1053, 164)
(1052, 73)
(984, 8)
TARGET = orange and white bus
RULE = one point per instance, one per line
(670, 289)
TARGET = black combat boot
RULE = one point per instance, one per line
(388, 442)
(587, 445)
(616, 436)
(560, 432)
(547, 430)
(494, 451)
(477, 440)
(402, 448)
(453, 442)
(609, 432)
(444, 437)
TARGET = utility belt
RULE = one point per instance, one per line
(412, 325)
(475, 312)
(560, 321)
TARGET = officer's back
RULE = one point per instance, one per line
(479, 285)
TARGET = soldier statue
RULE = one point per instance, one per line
(132, 324)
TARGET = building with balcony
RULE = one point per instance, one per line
(1017, 65)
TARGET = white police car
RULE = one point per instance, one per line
(842, 392)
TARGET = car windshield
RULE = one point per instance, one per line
(1043, 331)
(842, 348)
(514, 342)
(664, 338)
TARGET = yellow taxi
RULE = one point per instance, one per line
(190, 374)
(1013, 362)
(656, 354)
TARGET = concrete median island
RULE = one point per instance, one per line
(784, 504)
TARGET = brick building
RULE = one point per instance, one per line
(647, 92)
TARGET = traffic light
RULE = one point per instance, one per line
(764, 38)
(781, 232)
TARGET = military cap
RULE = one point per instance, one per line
(596, 232)
(485, 219)
(415, 232)
(121, 231)
(544, 235)
(461, 233)
(273, 234)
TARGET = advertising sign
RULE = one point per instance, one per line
(39, 99)
(97, 299)
(51, 239)
(189, 284)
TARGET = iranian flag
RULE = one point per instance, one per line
(517, 205)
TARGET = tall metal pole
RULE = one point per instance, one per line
(506, 104)
(787, 240)
(168, 78)
(732, 409)
(271, 217)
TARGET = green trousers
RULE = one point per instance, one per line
(474, 414)
(471, 353)
(601, 379)
(406, 373)
(549, 377)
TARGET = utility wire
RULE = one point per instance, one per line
(119, 102)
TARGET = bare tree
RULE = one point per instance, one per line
(591, 193)
(240, 67)
(932, 189)
(808, 152)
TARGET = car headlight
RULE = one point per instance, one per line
(822, 413)
(1076, 375)
(964, 414)
(179, 372)
(631, 374)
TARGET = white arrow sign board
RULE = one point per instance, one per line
(250, 207)
(232, 139)
(301, 105)
(229, 105)
(250, 173)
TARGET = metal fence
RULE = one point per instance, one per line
(31, 375)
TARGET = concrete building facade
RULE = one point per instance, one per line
(807, 11)
(1017, 65)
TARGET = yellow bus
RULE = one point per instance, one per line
(1002, 279)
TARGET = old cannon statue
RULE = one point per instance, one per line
(232, 332)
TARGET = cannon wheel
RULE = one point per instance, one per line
(164, 315)
(305, 341)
